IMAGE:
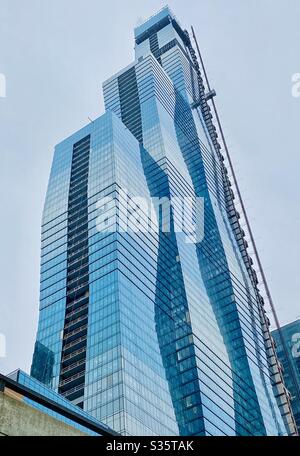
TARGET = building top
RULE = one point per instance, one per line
(155, 23)
(83, 131)
(160, 19)
(118, 73)
(288, 327)
(45, 399)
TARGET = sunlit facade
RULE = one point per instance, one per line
(149, 331)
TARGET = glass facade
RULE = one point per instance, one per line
(26, 380)
(148, 328)
(291, 336)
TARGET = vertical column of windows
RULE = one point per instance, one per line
(130, 103)
(73, 361)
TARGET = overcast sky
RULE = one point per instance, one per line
(55, 55)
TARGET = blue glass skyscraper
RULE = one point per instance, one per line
(152, 325)
(290, 361)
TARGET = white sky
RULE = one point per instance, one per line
(55, 55)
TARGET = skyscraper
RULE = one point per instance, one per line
(150, 315)
(290, 361)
